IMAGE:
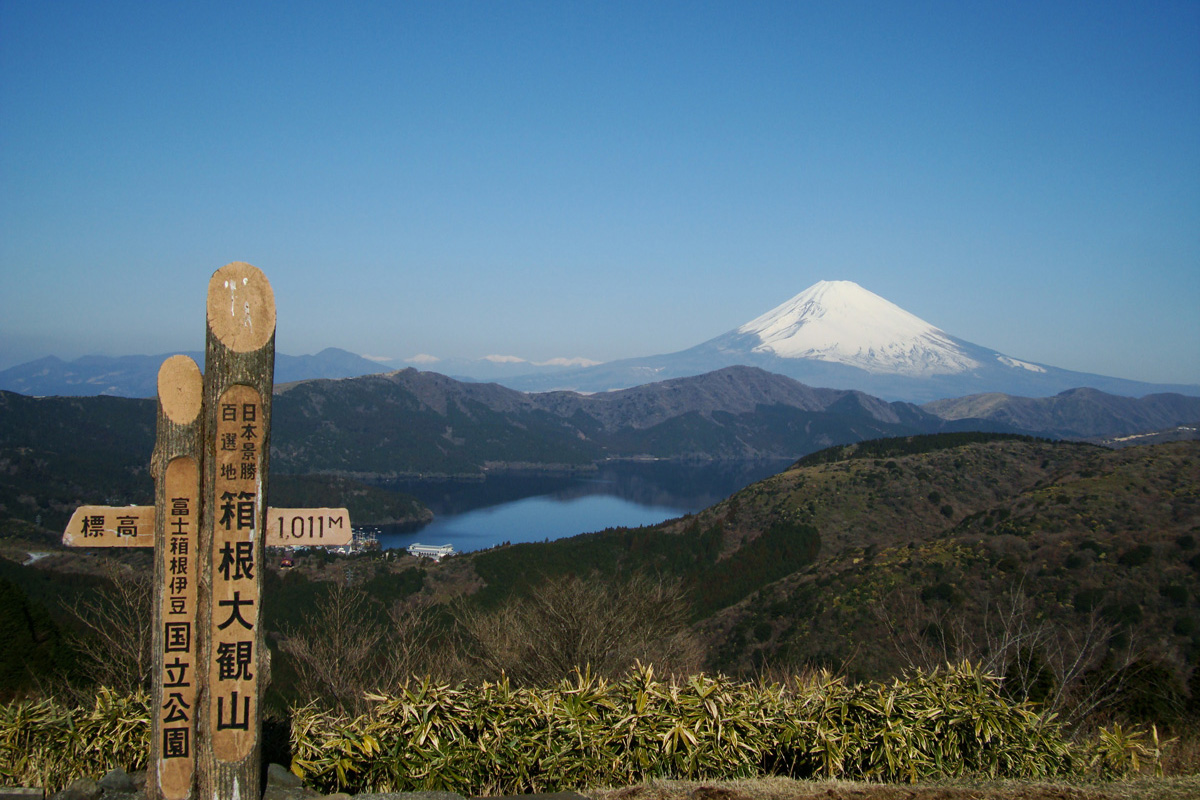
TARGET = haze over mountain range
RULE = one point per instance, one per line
(834, 334)
(837, 334)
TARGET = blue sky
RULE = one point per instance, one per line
(602, 179)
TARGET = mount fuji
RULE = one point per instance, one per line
(837, 334)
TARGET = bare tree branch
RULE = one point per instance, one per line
(116, 644)
(1066, 664)
(569, 622)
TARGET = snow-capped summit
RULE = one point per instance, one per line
(839, 321)
(838, 335)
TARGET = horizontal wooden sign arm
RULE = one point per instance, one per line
(208, 528)
(133, 526)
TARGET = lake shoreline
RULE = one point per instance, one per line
(539, 505)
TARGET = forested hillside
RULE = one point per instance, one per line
(915, 551)
(1077, 413)
(1071, 569)
(58, 453)
(422, 422)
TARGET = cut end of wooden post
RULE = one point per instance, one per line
(180, 389)
(241, 307)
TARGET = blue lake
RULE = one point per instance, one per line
(475, 515)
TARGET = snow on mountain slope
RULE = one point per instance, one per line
(839, 321)
(837, 334)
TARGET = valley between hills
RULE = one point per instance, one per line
(57, 453)
(916, 551)
(1066, 566)
(901, 539)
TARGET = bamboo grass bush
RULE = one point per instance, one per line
(587, 731)
(494, 739)
(46, 744)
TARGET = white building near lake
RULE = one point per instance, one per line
(436, 552)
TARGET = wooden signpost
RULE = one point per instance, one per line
(240, 367)
(175, 465)
(133, 526)
(208, 526)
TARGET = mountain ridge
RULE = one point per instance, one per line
(841, 322)
(834, 334)
(736, 412)
(423, 423)
(838, 334)
(739, 412)
(904, 552)
(1074, 414)
(414, 422)
(136, 376)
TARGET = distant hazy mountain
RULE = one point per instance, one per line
(1075, 414)
(838, 334)
(137, 376)
(834, 334)
(496, 368)
(411, 421)
(63, 451)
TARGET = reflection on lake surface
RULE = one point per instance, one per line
(474, 515)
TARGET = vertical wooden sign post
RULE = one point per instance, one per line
(239, 375)
(209, 525)
(176, 468)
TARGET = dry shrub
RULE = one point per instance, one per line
(1070, 666)
(569, 622)
(344, 649)
(1181, 755)
(115, 646)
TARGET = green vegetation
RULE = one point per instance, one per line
(57, 453)
(780, 550)
(33, 643)
(923, 556)
(37, 629)
(694, 556)
(496, 739)
(906, 446)
(988, 548)
(1069, 570)
(48, 744)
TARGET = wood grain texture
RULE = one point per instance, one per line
(239, 368)
(175, 465)
(180, 390)
(241, 308)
